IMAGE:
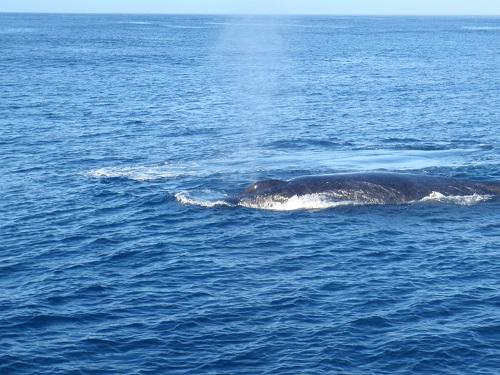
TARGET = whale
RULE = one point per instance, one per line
(364, 188)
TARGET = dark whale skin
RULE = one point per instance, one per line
(381, 188)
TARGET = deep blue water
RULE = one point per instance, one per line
(119, 135)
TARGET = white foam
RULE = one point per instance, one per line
(138, 173)
(318, 201)
(297, 202)
(184, 198)
(464, 200)
(272, 203)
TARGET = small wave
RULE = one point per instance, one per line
(136, 23)
(236, 24)
(16, 30)
(140, 173)
(463, 200)
(481, 28)
(274, 24)
(303, 143)
(172, 26)
(185, 199)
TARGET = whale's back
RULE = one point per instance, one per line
(263, 187)
(371, 187)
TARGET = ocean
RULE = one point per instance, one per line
(121, 136)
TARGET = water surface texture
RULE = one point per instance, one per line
(120, 136)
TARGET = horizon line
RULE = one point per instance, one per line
(255, 14)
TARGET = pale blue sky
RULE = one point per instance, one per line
(432, 7)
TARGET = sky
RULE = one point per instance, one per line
(349, 7)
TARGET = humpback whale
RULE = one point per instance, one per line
(364, 188)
